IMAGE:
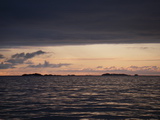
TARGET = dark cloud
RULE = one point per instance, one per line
(28, 55)
(1, 56)
(6, 66)
(16, 61)
(99, 67)
(28, 62)
(142, 48)
(18, 55)
(48, 65)
(20, 58)
(63, 22)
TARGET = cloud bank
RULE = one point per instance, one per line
(19, 58)
(1, 56)
(48, 65)
(25, 58)
(6, 65)
(28, 55)
(32, 23)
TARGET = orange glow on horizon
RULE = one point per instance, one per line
(85, 59)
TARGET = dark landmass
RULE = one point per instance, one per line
(71, 75)
(108, 74)
(136, 75)
(105, 74)
(51, 75)
(38, 74)
(35, 74)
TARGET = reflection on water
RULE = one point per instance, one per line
(79, 98)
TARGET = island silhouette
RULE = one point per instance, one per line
(114, 74)
(105, 74)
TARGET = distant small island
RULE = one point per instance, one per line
(38, 74)
(35, 74)
(108, 74)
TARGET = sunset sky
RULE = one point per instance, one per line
(82, 37)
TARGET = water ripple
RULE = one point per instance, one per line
(81, 98)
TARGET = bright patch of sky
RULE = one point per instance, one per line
(81, 59)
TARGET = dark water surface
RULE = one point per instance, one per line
(79, 98)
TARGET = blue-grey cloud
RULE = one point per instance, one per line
(1, 56)
(28, 62)
(28, 55)
(6, 66)
(99, 67)
(20, 58)
(32, 23)
(46, 64)
(16, 61)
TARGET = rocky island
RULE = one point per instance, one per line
(35, 74)
(108, 74)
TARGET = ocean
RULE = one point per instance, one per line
(79, 98)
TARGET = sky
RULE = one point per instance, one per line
(82, 37)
